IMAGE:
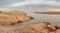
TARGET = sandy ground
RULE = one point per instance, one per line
(8, 29)
(53, 19)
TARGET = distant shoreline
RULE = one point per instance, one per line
(47, 12)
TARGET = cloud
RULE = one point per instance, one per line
(54, 9)
(18, 4)
(27, 2)
(8, 2)
(4, 9)
(33, 5)
(35, 2)
(57, 1)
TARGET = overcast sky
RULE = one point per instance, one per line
(30, 5)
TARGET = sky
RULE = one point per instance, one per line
(30, 5)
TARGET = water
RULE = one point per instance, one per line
(54, 20)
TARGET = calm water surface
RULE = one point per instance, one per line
(53, 19)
